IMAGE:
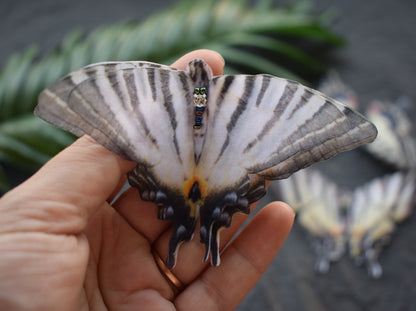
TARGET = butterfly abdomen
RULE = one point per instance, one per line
(200, 74)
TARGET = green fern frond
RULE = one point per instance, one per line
(252, 38)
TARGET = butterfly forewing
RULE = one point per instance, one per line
(257, 125)
(129, 108)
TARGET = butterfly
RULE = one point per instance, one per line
(376, 209)
(320, 208)
(204, 145)
(395, 144)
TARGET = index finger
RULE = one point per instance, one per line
(212, 58)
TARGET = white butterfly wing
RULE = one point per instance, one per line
(141, 111)
(267, 127)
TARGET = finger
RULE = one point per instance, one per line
(212, 58)
(243, 262)
(62, 195)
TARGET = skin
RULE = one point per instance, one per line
(64, 247)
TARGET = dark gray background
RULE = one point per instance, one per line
(379, 62)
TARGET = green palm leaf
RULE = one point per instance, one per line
(250, 38)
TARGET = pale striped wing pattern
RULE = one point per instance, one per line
(84, 89)
(204, 145)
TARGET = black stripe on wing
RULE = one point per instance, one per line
(281, 105)
(238, 111)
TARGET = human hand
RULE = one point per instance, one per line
(64, 247)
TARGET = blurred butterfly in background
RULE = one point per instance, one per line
(319, 205)
(363, 220)
(204, 145)
(333, 86)
(396, 143)
(376, 208)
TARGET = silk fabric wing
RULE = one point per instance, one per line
(207, 164)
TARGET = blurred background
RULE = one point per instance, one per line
(370, 45)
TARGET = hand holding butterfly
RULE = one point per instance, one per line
(63, 247)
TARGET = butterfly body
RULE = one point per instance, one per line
(205, 163)
(200, 102)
